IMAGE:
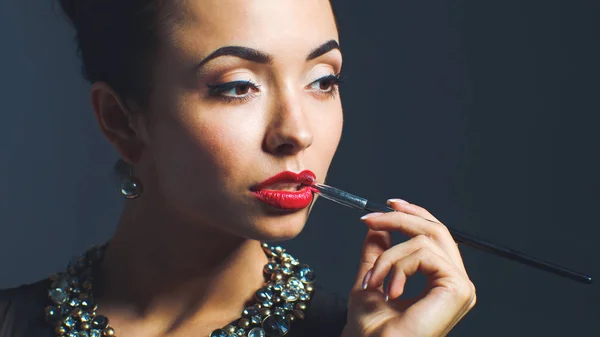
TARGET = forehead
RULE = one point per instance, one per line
(274, 26)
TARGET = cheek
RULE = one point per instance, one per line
(205, 153)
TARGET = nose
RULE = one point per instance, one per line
(288, 132)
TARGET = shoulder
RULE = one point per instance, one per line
(325, 315)
(22, 310)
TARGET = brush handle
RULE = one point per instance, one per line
(469, 240)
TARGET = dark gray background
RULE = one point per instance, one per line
(484, 112)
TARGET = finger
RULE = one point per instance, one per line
(407, 207)
(448, 298)
(376, 242)
(412, 225)
(387, 259)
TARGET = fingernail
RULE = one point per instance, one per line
(367, 278)
(387, 292)
(370, 215)
(399, 201)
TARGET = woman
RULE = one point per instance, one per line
(223, 112)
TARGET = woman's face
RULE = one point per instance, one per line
(209, 141)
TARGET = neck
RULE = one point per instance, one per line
(155, 271)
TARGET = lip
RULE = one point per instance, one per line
(286, 199)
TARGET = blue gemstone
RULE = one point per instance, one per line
(275, 326)
(219, 333)
(58, 296)
(250, 311)
(95, 333)
(83, 334)
(85, 317)
(256, 332)
(264, 294)
(69, 321)
(306, 274)
(100, 322)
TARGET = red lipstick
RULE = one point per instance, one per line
(286, 190)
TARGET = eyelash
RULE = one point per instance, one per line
(336, 80)
(217, 90)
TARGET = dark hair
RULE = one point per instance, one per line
(117, 42)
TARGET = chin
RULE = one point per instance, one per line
(280, 227)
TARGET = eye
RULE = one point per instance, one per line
(233, 90)
(326, 84)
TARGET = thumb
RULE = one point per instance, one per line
(376, 242)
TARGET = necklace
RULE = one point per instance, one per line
(283, 298)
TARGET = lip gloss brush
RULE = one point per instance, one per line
(353, 201)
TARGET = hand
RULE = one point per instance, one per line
(449, 294)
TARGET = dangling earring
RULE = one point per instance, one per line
(131, 187)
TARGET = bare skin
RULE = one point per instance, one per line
(186, 257)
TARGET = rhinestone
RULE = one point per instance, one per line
(74, 302)
(304, 297)
(267, 304)
(272, 252)
(229, 329)
(278, 287)
(288, 306)
(275, 326)
(263, 294)
(306, 274)
(60, 330)
(290, 317)
(72, 334)
(241, 332)
(243, 323)
(265, 311)
(83, 334)
(301, 305)
(270, 267)
(277, 276)
(299, 314)
(289, 295)
(279, 250)
(85, 317)
(295, 262)
(218, 333)
(287, 270)
(130, 188)
(277, 299)
(279, 311)
(100, 322)
(295, 283)
(69, 321)
(250, 311)
(53, 315)
(85, 326)
(95, 333)
(108, 332)
(256, 332)
(267, 249)
(58, 296)
(87, 302)
(256, 319)
(309, 288)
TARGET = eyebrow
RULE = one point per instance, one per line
(258, 56)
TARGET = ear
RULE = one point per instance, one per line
(117, 123)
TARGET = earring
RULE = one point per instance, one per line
(131, 187)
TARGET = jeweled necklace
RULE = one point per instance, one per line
(284, 297)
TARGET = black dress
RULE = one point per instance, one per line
(22, 313)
